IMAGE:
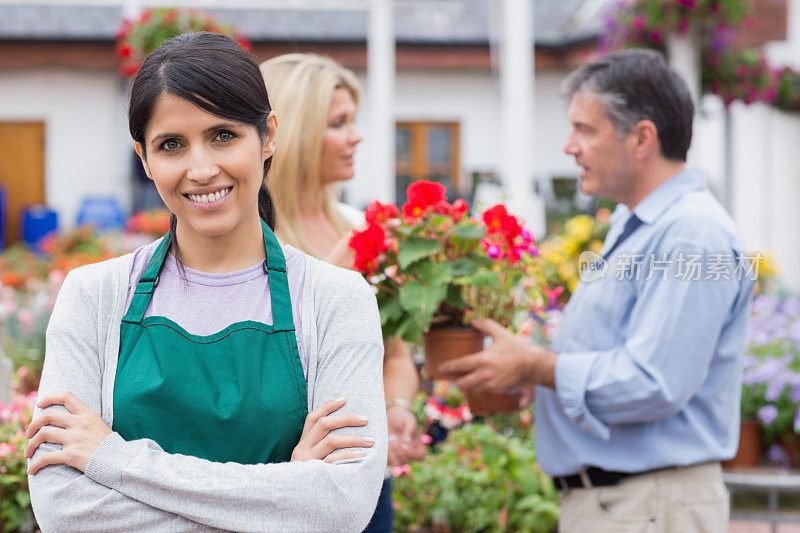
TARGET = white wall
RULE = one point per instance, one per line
(86, 144)
(472, 99)
(767, 181)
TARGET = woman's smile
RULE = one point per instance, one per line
(209, 200)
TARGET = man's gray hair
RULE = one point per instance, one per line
(614, 103)
(637, 85)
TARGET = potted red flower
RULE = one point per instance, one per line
(435, 269)
(137, 38)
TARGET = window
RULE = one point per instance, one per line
(430, 151)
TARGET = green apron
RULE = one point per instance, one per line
(238, 395)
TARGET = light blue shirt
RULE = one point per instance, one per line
(649, 370)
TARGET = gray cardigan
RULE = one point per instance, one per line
(136, 486)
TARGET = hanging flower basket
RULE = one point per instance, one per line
(136, 39)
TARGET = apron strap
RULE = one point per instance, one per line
(278, 282)
(147, 283)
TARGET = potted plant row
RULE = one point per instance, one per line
(435, 269)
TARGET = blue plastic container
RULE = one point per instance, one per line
(37, 222)
(101, 212)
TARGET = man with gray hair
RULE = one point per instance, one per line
(638, 397)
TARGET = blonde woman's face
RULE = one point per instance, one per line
(339, 139)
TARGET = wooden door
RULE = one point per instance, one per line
(21, 172)
(430, 151)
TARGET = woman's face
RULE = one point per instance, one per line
(207, 169)
(339, 139)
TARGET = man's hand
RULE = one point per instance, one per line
(508, 364)
(404, 440)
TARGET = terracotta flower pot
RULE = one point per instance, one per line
(446, 343)
(749, 453)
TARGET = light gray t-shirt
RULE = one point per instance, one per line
(203, 303)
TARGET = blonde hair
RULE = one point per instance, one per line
(301, 88)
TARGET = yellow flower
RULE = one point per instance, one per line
(572, 284)
(580, 227)
(567, 271)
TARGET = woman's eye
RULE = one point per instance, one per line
(170, 145)
(338, 124)
(225, 136)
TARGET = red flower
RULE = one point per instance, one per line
(129, 69)
(368, 245)
(123, 29)
(145, 16)
(423, 194)
(499, 221)
(170, 16)
(380, 213)
(459, 209)
(244, 42)
(124, 49)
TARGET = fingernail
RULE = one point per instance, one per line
(363, 418)
(339, 399)
(369, 439)
(359, 453)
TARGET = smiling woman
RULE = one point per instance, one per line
(230, 383)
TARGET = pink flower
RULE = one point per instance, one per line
(25, 319)
(6, 449)
(398, 471)
(493, 251)
(638, 22)
(655, 36)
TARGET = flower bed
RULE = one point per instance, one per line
(771, 390)
(29, 282)
(483, 477)
(15, 502)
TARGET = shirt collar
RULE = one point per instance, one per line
(655, 203)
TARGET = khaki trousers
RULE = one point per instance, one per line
(676, 500)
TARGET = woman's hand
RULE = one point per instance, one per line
(405, 443)
(79, 431)
(316, 442)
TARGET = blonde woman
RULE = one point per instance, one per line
(316, 101)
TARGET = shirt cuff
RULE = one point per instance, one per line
(572, 376)
(103, 466)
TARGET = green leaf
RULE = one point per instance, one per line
(389, 308)
(415, 248)
(421, 300)
(463, 267)
(454, 297)
(410, 330)
(469, 230)
(431, 273)
(480, 279)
